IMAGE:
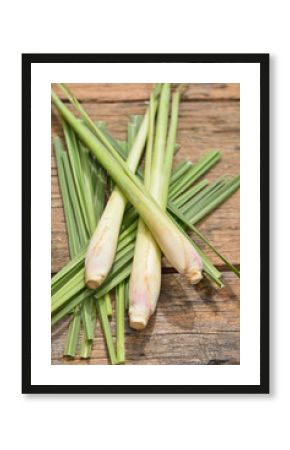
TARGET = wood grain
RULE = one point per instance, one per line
(193, 325)
(202, 127)
(116, 92)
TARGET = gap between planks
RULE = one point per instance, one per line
(138, 101)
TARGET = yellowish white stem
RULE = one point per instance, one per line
(145, 280)
(102, 248)
(176, 247)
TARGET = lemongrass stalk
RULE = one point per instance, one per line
(103, 244)
(69, 306)
(80, 228)
(102, 248)
(170, 145)
(63, 277)
(119, 148)
(108, 305)
(180, 253)
(86, 315)
(180, 170)
(123, 145)
(131, 133)
(202, 196)
(86, 344)
(122, 273)
(88, 189)
(65, 294)
(77, 283)
(209, 269)
(72, 288)
(86, 348)
(136, 118)
(75, 164)
(73, 239)
(74, 242)
(126, 293)
(100, 192)
(145, 287)
(133, 128)
(82, 187)
(127, 236)
(181, 216)
(102, 312)
(102, 136)
(74, 265)
(73, 334)
(94, 274)
(68, 290)
(120, 322)
(85, 184)
(145, 280)
(196, 171)
(95, 195)
(75, 227)
(190, 193)
(227, 191)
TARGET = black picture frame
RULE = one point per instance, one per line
(27, 61)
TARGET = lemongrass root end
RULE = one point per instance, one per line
(194, 276)
(93, 282)
(138, 321)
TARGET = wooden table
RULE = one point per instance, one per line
(193, 324)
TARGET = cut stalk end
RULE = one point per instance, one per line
(138, 321)
(93, 282)
(194, 276)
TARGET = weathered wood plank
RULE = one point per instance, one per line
(192, 325)
(202, 126)
(118, 92)
(210, 123)
(167, 349)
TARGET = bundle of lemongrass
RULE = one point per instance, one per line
(119, 246)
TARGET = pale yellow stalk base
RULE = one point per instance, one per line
(178, 250)
(102, 248)
(145, 280)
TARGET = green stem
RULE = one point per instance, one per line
(102, 311)
(73, 334)
(120, 322)
(87, 318)
(207, 208)
(109, 305)
(169, 152)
